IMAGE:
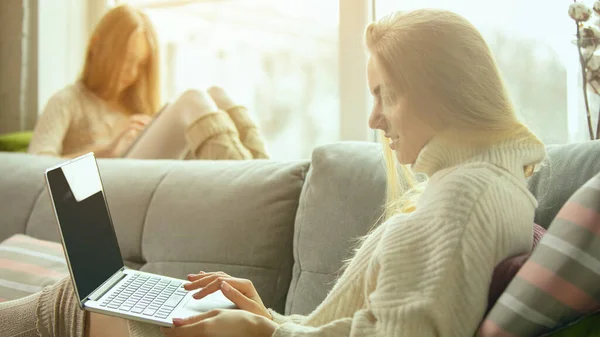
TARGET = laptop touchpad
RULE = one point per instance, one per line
(213, 301)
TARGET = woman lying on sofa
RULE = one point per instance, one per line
(117, 97)
(425, 271)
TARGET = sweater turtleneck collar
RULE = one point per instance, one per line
(512, 155)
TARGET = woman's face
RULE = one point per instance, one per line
(136, 59)
(406, 132)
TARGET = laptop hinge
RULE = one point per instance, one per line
(106, 286)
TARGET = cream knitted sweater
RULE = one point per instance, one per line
(75, 119)
(427, 273)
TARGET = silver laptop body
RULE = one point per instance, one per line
(101, 281)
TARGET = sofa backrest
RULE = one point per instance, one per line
(568, 167)
(175, 218)
(345, 190)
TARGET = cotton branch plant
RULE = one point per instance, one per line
(588, 41)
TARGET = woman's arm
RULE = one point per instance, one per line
(51, 128)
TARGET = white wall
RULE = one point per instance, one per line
(63, 32)
(355, 100)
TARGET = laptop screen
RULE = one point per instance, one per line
(85, 223)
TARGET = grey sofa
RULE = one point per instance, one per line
(287, 226)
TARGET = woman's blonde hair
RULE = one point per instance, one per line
(105, 58)
(441, 56)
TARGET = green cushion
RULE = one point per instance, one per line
(586, 327)
(15, 141)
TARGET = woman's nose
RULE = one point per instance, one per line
(375, 119)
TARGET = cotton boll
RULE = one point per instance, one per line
(594, 20)
(588, 50)
(594, 63)
(579, 11)
(594, 85)
(589, 32)
(597, 7)
(593, 79)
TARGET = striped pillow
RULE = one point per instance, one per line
(561, 280)
(27, 265)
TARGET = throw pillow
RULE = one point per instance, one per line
(560, 282)
(506, 270)
(16, 141)
(28, 264)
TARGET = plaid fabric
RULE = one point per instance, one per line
(561, 280)
(506, 270)
(27, 265)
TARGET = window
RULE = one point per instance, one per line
(531, 41)
(277, 57)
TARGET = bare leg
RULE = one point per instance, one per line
(221, 98)
(165, 138)
(98, 325)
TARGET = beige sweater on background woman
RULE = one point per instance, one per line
(75, 119)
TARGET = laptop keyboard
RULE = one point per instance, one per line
(146, 295)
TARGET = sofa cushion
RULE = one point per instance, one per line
(341, 199)
(22, 183)
(569, 166)
(15, 141)
(28, 264)
(561, 280)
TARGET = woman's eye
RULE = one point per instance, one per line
(388, 98)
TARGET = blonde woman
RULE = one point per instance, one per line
(425, 271)
(118, 96)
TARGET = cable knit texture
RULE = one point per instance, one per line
(224, 135)
(427, 273)
(52, 312)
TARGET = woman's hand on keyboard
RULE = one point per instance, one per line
(239, 291)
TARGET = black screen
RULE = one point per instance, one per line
(88, 233)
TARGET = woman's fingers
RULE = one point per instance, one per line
(140, 119)
(201, 280)
(239, 299)
(194, 277)
(136, 126)
(245, 287)
(212, 286)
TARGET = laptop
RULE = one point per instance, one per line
(101, 281)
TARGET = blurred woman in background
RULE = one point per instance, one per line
(113, 109)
